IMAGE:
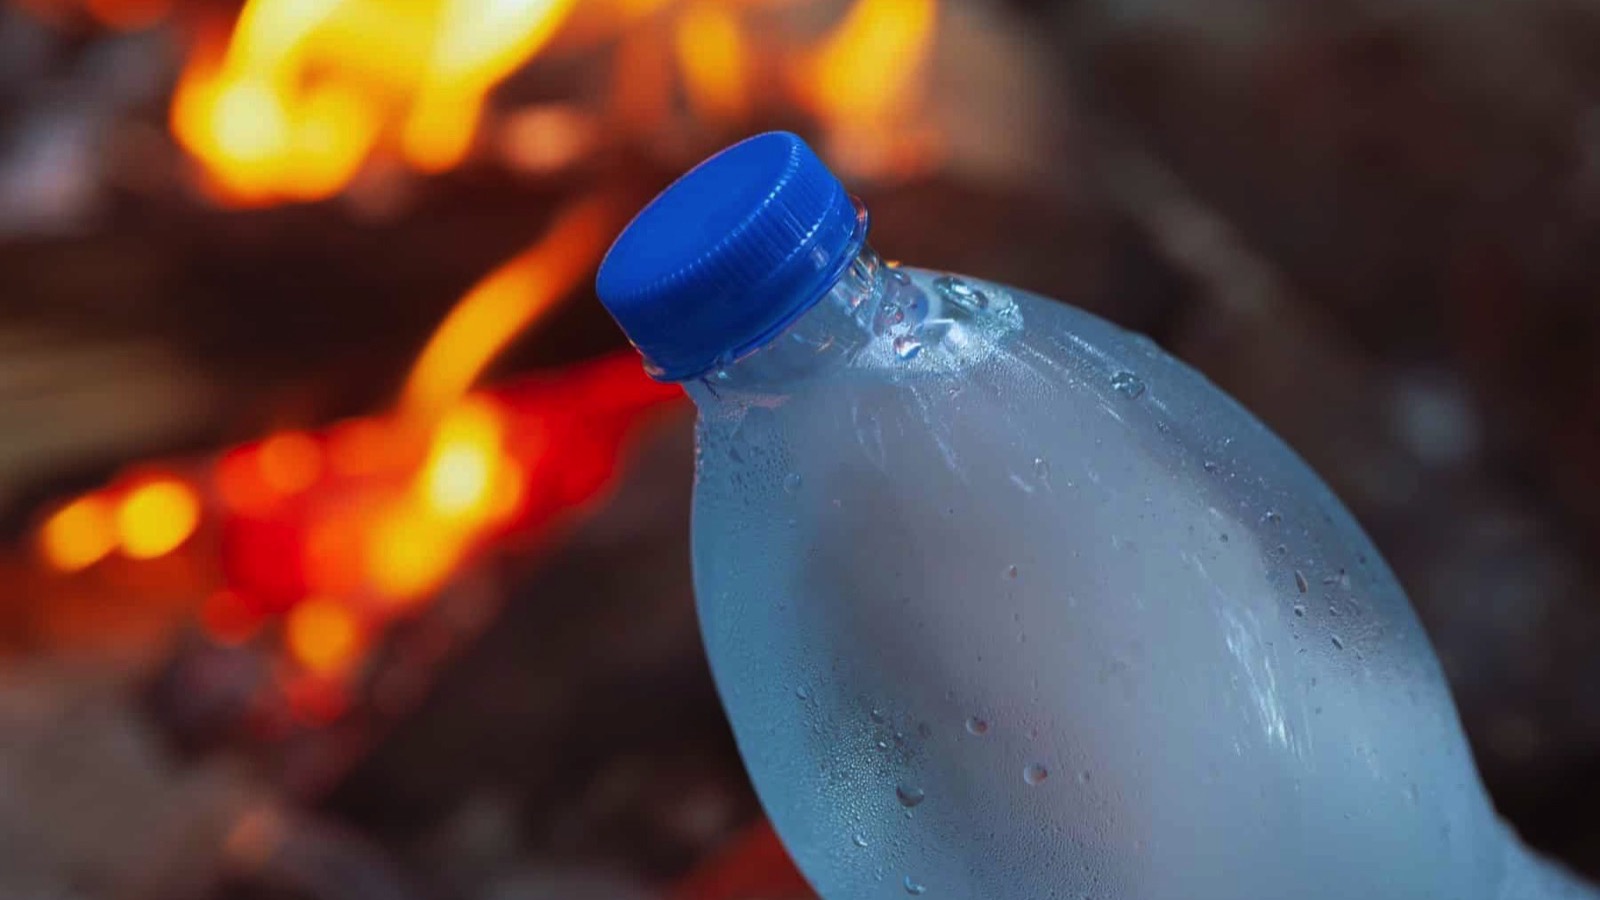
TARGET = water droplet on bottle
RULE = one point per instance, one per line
(1128, 384)
(977, 726)
(914, 887)
(1083, 777)
(1411, 794)
(1300, 581)
(1336, 642)
(792, 482)
(802, 692)
(958, 291)
(1041, 469)
(1299, 610)
(910, 797)
(859, 840)
(1209, 466)
(1035, 774)
(1011, 571)
(1272, 518)
(907, 347)
(876, 715)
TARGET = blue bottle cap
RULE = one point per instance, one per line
(729, 255)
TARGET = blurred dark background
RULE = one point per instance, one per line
(227, 233)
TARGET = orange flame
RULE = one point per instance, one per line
(503, 305)
(323, 635)
(458, 492)
(304, 91)
(864, 77)
(468, 481)
(711, 53)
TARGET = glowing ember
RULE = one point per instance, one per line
(366, 447)
(324, 539)
(410, 552)
(304, 91)
(289, 462)
(156, 517)
(79, 534)
(228, 619)
(462, 467)
(323, 635)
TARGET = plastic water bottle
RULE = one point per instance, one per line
(1004, 602)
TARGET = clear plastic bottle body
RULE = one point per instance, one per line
(1004, 602)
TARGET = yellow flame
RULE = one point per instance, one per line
(410, 551)
(479, 43)
(304, 91)
(501, 306)
(156, 517)
(863, 82)
(467, 483)
(870, 62)
(78, 535)
(711, 53)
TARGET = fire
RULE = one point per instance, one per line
(79, 534)
(503, 305)
(868, 65)
(461, 469)
(460, 491)
(477, 45)
(863, 80)
(228, 619)
(410, 552)
(156, 517)
(150, 518)
(290, 462)
(323, 635)
(711, 54)
(303, 92)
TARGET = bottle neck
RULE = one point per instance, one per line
(831, 332)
